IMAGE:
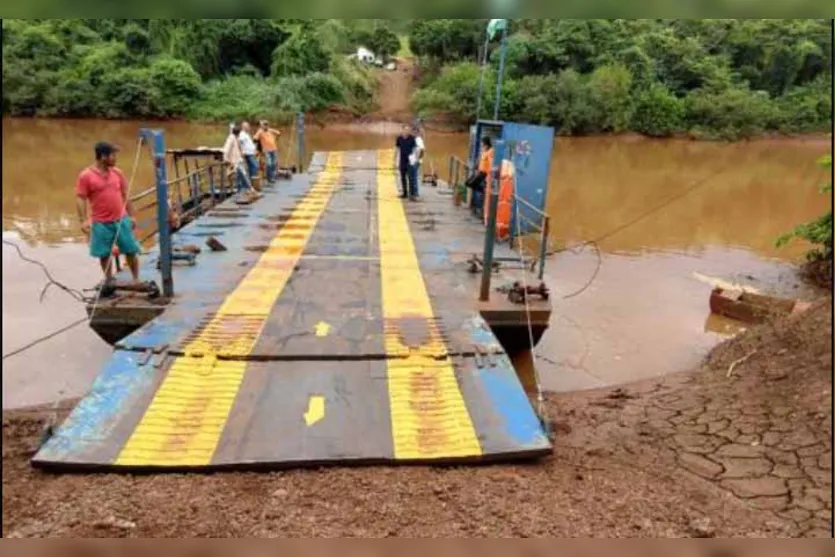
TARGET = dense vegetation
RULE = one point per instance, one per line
(212, 69)
(708, 78)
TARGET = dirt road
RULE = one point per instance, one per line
(694, 455)
(395, 92)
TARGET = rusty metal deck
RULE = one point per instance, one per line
(340, 327)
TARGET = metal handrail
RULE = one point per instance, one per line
(529, 205)
(143, 193)
(199, 183)
(544, 228)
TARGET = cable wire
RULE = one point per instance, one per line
(45, 338)
(578, 248)
(76, 294)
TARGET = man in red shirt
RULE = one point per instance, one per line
(110, 220)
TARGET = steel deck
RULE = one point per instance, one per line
(340, 327)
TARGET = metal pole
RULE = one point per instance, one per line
(501, 74)
(177, 174)
(211, 170)
(481, 83)
(300, 136)
(222, 180)
(155, 138)
(492, 190)
(543, 249)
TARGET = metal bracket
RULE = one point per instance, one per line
(518, 293)
(476, 265)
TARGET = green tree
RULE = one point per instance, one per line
(730, 114)
(303, 53)
(177, 86)
(448, 40)
(384, 43)
(658, 113)
(137, 39)
(610, 89)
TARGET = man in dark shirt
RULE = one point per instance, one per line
(404, 147)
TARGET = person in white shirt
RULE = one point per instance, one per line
(249, 151)
(233, 157)
(415, 160)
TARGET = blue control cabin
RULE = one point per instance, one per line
(529, 148)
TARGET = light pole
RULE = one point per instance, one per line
(501, 72)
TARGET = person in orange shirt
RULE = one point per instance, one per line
(485, 165)
(480, 178)
(266, 137)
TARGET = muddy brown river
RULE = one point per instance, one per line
(645, 314)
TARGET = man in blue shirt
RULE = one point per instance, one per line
(404, 148)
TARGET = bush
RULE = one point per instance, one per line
(177, 85)
(658, 113)
(357, 80)
(806, 108)
(609, 90)
(73, 95)
(137, 40)
(534, 101)
(235, 98)
(300, 55)
(455, 91)
(731, 114)
(128, 92)
(320, 91)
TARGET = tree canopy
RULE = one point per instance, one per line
(174, 68)
(715, 78)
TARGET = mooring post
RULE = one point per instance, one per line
(155, 138)
(300, 136)
(492, 190)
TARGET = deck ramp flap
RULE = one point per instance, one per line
(339, 342)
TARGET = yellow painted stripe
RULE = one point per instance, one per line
(184, 422)
(428, 415)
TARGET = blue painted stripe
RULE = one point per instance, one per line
(509, 400)
(116, 390)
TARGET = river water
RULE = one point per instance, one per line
(645, 314)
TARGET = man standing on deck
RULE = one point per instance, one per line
(233, 156)
(415, 161)
(110, 221)
(266, 136)
(250, 152)
(404, 147)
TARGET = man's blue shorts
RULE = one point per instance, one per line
(103, 234)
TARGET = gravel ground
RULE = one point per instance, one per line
(701, 454)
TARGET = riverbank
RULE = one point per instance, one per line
(343, 118)
(701, 454)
